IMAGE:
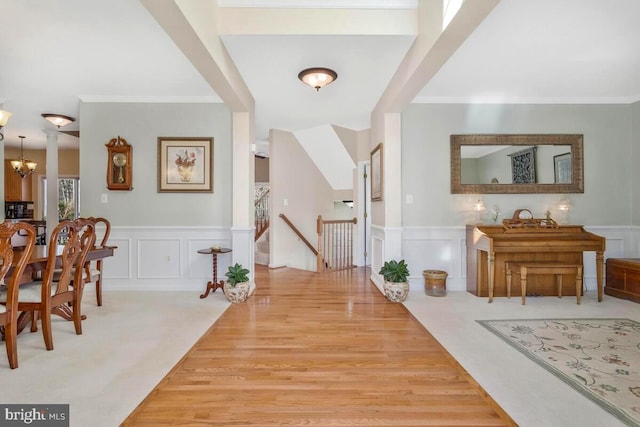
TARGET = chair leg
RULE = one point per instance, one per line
(578, 285)
(99, 290)
(508, 282)
(10, 336)
(34, 320)
(559, 284)
(45, 315)
(77, 314)
(523, 285)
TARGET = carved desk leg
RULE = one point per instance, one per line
(599, 272)
(492, 271)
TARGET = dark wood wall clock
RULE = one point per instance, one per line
(119, 165)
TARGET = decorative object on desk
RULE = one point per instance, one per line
(599, 358)
(523, 166)
(396, 286)
(22, 166)
(236, 288)
(495, 213)
(564, 207)
(119, 164)
(185, 165)
(376, 173)
(523, 218)
(479, 209)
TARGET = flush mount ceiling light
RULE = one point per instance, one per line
(317, 77)
(58, 119)
(4, 116)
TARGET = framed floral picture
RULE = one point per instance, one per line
(185, 165)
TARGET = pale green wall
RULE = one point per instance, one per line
(141, 124)
(607, 131)
(635, 169)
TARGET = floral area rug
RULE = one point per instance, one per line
(598, 357)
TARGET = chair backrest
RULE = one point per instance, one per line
(8, 255)
(81, 238)
(107, 229)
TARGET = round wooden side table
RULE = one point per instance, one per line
(214, 283)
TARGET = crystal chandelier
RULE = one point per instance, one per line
(23, 167)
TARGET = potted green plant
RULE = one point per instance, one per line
(237, 286)
(396, 286)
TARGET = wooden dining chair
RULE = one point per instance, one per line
(93, 269)
(15, 260)
(45, 296)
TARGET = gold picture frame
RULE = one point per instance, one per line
(376, 173)
(185, 164)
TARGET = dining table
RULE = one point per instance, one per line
(38, 263)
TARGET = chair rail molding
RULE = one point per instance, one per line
(159, 258)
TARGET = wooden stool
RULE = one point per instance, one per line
(525, 268)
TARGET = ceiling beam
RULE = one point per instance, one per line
(192, 26)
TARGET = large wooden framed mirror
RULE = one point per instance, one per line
(512, 164)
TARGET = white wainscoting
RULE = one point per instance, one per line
(164, 258)
(444, 248)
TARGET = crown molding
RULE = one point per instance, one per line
(153, 99)
(525, 100)
(322, 4)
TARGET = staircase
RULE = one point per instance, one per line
(261, 210)
(262, 250)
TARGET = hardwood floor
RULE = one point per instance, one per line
(321, 350)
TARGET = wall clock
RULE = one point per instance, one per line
(119, 167)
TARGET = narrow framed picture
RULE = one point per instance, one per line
(185, 165)
(376, 173)
(562, 168)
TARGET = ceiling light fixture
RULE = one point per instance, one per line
(23, 167)
(317, 77)
(4, 116)
(58, 119)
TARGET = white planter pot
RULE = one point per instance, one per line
(396, 292)
(237, 293)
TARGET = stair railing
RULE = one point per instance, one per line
(299, 234)
(261, 209)
(335, 244)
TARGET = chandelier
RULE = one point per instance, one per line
(317, 77)
(23, 167)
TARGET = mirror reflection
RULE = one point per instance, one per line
(499, 164)
(545, 163)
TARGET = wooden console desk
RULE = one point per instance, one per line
(490, 246)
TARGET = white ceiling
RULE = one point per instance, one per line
(55, 53)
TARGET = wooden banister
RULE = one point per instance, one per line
(335, 243)
(261, 209)
(295, 230)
